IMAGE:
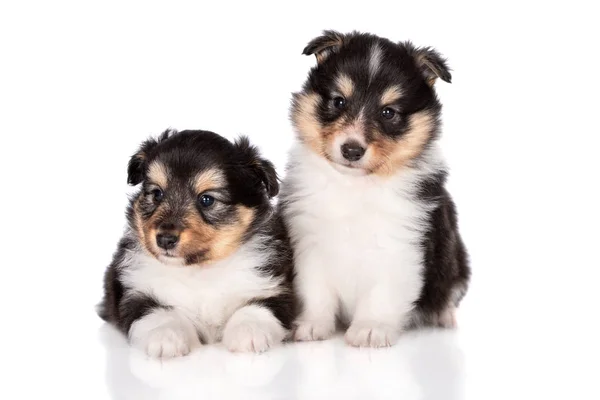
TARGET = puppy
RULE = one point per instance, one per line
(203, 258)
(373, 229)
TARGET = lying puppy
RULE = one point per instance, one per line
(374, 230)
(203, 258)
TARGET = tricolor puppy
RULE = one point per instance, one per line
(374, 230)
(203, 258)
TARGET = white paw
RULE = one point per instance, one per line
(252, 329)
(307, 331)
(167, 342)
(371, 335)
(247, 337)
(162, 334)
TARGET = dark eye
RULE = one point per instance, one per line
(388, 113)
(339, 102)
(157, 195)
(205, 200)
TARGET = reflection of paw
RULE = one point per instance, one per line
(252, 329)
(313, 330)
(371, 335)
(163, 334)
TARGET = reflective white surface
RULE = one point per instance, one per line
(428, 365)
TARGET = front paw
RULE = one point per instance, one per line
(163, 334)
(252, 329)
(166, 342)
(371, 335)
(248, 337)
(307, 331)
(245, 338)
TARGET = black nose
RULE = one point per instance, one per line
(166, 240)
(352, 151)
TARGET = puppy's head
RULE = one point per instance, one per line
(201, 195)
(368, 106)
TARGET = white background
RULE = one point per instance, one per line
(83, 83)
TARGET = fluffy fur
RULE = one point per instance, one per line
(204, 258)
(374, 231)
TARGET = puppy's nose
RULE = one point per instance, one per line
(352, 151)
(166, 240)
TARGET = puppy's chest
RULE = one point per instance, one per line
(208, 295)
(366, 218)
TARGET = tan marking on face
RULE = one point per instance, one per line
(228, 239)
(317, 137)
(197, 237)
(345, 85)
(389, 155)
(145, 229)
(391, 95)
(304, 118)
(215, 243)
(211, 179)
(158, 174)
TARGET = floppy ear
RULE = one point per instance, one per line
(431, 63)
(136, 169)
(324, 45)
(261, 169)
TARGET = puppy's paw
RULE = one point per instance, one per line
(162, 334)
(313, 330)
(252, 329)
(371, 335)
(247, 337)
(167, 342)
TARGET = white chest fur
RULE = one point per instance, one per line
(209, 295)
(355, 233)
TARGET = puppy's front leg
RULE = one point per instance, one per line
(319, 302)
(252, 328)
(380, 315)
(160, 331)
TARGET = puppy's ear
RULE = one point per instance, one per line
(431, 63)
(260, 169)
(324, 45)
(136, 169)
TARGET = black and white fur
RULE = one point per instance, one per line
(375, 240)
(168, 304)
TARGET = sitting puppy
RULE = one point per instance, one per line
(203, 258)
(373, 229)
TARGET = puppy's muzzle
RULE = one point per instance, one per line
(352, 151)
(167, 236)
(167, 241)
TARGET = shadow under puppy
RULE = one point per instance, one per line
(204, 258)
(374, 230)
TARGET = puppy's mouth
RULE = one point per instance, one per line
(347, 167)
(169, 257)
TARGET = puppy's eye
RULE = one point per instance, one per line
(339, 102)
(388, 113)
(157, 195)
(205, 200)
